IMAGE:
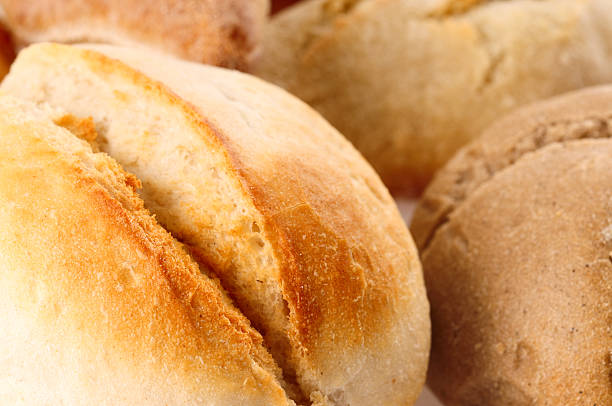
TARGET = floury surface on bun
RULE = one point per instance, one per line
(515, 235)
(99, 304)
(219, 32)
(261, 190)
(411, 81)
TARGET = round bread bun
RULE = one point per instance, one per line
(283, 210)
(217, 32)
(515, 235)
(410, 82)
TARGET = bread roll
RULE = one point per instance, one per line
(218, 32)
(296, 225)
(99, 304)
(409, 82)
(516, 241)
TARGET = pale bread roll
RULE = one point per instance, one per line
(515, 236)
(218, 32)
(411, 81)
(99, 304)
(296, 225)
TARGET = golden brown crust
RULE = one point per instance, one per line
(118, 307)
(224, 33)
(515, 243)
(339, 268)
(348, 272)
(409, 82)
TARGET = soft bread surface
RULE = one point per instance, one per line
(218, 32)
(296, 225)
(409, 82)
(515, 234)
(99, 304)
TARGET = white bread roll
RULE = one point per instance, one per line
(297, 226)
(219, 32)
(411, 81)
(100, 306)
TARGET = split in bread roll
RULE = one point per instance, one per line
(218, 32)
(515, 235)
(99, 304)
(409, 82)
(299, 229)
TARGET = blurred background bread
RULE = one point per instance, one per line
(409, 82)
(265, 193)
(217, 32)
(515, 235)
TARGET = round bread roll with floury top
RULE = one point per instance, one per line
(261, 190)
(515, 235)
(409, 82)
(218, 32)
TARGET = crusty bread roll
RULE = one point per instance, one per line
(299, 229)
(409, 82)
(218, 32)
(515, 236)
(99, 304)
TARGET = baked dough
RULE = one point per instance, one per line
(299, 229)
(99, 304)
(409, 82)
(515, 235)
(218, 32)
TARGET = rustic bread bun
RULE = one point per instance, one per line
(299, 229)
(218, 32)
(515, 236)
(99, 304)
(409, 82)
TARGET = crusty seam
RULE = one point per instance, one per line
(457, 204)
